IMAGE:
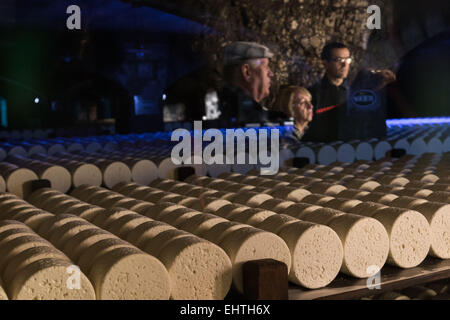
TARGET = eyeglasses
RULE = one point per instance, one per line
(342, 60)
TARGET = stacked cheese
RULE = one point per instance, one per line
(197, 269)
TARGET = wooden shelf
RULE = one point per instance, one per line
(392, 278)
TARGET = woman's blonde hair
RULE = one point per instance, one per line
(286, 98)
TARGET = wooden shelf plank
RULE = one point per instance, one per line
(392, 278)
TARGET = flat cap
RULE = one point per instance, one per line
(236, 52)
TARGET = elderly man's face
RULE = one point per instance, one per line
(259, 79)
(339, 64)
(302, 107)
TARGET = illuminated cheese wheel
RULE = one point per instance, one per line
(274, 223)
(83, 240)
(251, 198)
(326, 188)
(352, 194)
(61, 235)
(299, 209)
(208, 204)
(46, 279)
(178, 216)
(221, 230)
(342, 204)
(316, 253)
(379, 197)
(33, 218)
(276, 205)
(361, 184)
(127, 273)
(406, 202)
(290, 193)
(15, 177)
(252, 216)
(439, 196)
(146, 231)
(198, 224)
(317, 199)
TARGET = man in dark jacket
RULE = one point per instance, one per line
(329, 95)
(248, 77)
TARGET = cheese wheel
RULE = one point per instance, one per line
(201, 192)
(133, 204)
(2, 189)
(51, 200)
(13, 246)
(251, 199)
(66, 232)
(83, 240)
(276, 205)
(439, 196)
(15, 179)
(59, 177)
(101, 198)
(326, 188)
(221, 230)
(66, 204)
(87, 257)
(352, 194)
(393, 180)
(155, 245)
(406, 202)
(54, 223)
(79, 190)
(275, 222)
(178, 216)
(122, 226)
(321, 215)
(413, 192)
(342, 204)
(47, 279)
(365, 242)
(29, 256)
(393, 296)
(230, 210)
(198, 224)
(40, 194)
(299, 209)
(252, 216)
(290, 193)
(438, 216)
(409, 235)
(316, 253)
(361, 184)
(198, 269)
(224, 195)
(209, 204)
(109, 215)
(146, 231)
(160, 208)
(3, 295)
(124, 186)
(246, 244)
(317, 199)
(86, 173)
(384, 198)
(366, 209)
(86, 212)
(143, 171)
(33, 218)
(11, 224)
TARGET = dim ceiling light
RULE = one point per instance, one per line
(36, 100)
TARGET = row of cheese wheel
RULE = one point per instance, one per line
(352, 201)
(197, 269)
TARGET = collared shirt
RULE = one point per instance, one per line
(329, 103)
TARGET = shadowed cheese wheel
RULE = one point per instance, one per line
(326, 188)
(66, 232)
(114, 172)
(201, 192)
(317, 199)
(366, 209)
(67, 204)
(129, 274)
(200, 223)
(275, 222)
(59, 177)
(316, 253)
(438, 216)
(276, 205)
(406, 202)
(178, 216)
(321, 215)
(439, 196)
(2, 189)
(88, 257)
(251, 199)
(147, 231)
(252, 216)
(78, 191)
(155, 245)
(86, 173)
(229, 210)
(299, 209)
(11, 224)
(409, 235)
(3, 295)
(198, 269)
(365, 242)
(290, 193)
(342, 204)
(414, 192)
(246, 244)
(224, 195)
(122, 226)
(208, 204)
(384, 198)
(33, 218)
(109, 215)
(83, 240)
(47, 279)
(361, 184)
(124, 186)
(160, 208)
(54, 223)
(29, 256)
(143, 171)
(101, 197)
(352, 194)
(221, 230)
(87, 212)
(134, 205)
(392, 180)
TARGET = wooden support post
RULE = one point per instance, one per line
(265, 279)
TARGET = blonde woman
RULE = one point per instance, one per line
(296, 103)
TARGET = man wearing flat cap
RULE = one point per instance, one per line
(248, 76)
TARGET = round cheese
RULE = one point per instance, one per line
(246, 244)
(156, 244)
(122, 226)
(326, 188)
(221, 230)
(86, 173)
(275, 222)
(47, 279)
(406, 202)
(276, 205)
(317, 199)
(75, 246)
(252, 216)
(198, 269)
(198, 224)
(251, 199)
(146, 231)
(67, 231)
(3, 295)
(290, 193)
(299, 209)
(316, 253)
(342, 204)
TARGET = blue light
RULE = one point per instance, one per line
(417, 121)
(36, 100)
(164, 97)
